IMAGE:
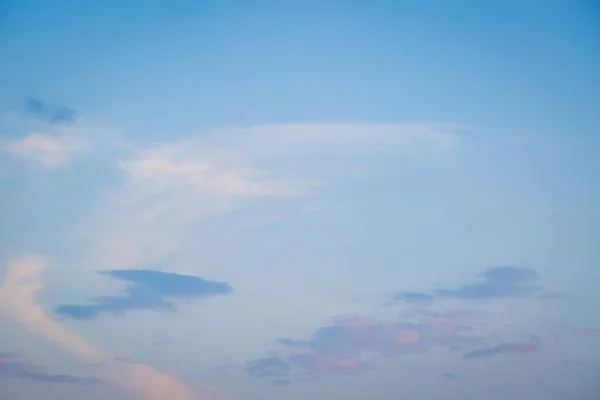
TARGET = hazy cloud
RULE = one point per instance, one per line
(12, 367)
(354, 345)
(53, 114)
(148, 290)
(413, 297)
(48, 150)
(172, 185)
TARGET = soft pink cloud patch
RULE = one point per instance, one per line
(407, 336)
(589, 331)
(331, 364)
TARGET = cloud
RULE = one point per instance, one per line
(52, 114)
(496, 283)
(449, 375)
(500, 282)
(18, 299)
(170, 186)
(353, 345)
(11, 367)
(148, 290)
(506, 348)
(46, 150)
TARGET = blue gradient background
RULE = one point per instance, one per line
(329, 180)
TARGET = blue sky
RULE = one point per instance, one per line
(260, 200)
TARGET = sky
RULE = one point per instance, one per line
(264, 200)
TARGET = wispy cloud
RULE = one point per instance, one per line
(589, 331)
(505, 348)
(53, 114)
(18, 299)
(171, 186)
(12, 367)
(148, 290)
(413, 297)
(48, 150)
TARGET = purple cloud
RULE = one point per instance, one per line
(354, 345)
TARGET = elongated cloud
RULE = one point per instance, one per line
(18, 299)
(11, 366)
(149, 290)
(497, 283)
(521, 347)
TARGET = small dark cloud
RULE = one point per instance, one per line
(449, 375)
(53, 114)
(148, 290)
(12, 367)
(506, 348)
(413, 297)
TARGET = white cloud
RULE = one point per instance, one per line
(47, 150)
(169, 186)
(18, 299)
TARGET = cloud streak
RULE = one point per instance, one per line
(18, 299)
(12, 367)
(154, 290)
(505, 348)
(47, 150)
